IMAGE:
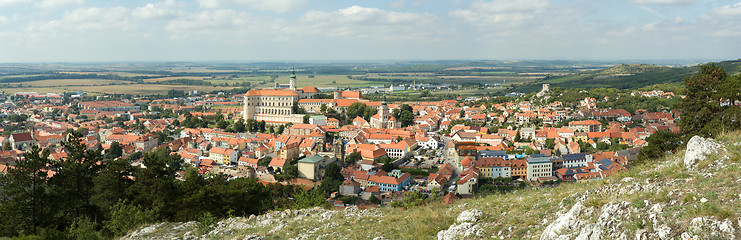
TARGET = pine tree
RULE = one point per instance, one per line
(709, 106)
(25, 195)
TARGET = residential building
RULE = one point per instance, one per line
(312, 167)
(223, 156)
(539, 166)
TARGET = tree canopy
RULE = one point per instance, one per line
(709, 106)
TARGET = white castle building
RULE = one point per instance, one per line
(275, 106)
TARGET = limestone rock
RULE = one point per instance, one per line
(471, 215)
(464, 230)
(466, 227)
(697, 148)
(563, 223)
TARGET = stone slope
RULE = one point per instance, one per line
(662, 200)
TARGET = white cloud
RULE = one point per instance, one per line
(88, 19)
(57, 3)
(3, 20)
(163, 10)
(210, 21)
(357, 14)
(501, 11)
(362, 22)
(728, 10)
(7, 3)
(664, 2)
(270, 5)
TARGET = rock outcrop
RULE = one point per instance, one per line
(697, 149)
(465, 226)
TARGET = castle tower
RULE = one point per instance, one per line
(338, 94)
(292, 83)
(248, 111)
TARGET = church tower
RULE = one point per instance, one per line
(292, 83)
(383, 113)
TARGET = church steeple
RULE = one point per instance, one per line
(292, 82)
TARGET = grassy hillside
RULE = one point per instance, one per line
(662, 198)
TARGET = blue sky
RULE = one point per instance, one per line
(304, 30)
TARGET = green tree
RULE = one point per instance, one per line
(111, 185)
(222, 124)
(333, 172)
(550, 144)
(352, 158)
(659, 144)
(264, 161)
(239, 126)
(355, 110)
(290, 171)
(24, 203)
(155, 186)
(114, 151)
(709, 106)
(73, 183)
(406, 119)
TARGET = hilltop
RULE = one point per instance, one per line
(691, 194)
(633, 69)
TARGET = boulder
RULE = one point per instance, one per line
(465, 227)
(697, 148)
(471, 215)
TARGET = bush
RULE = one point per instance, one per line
(206, 223)
(125, 217)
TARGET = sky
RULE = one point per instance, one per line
(341, 30)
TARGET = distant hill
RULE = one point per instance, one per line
(633, 69)
(625, 76)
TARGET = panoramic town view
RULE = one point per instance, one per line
(267, 129)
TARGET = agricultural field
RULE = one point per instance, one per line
(159, 79)
(122, 74)
(73, 82)
(35, 89)
(144, 89)
(330, 81)
(319, 80)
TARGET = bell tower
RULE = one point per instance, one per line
(292, 82)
